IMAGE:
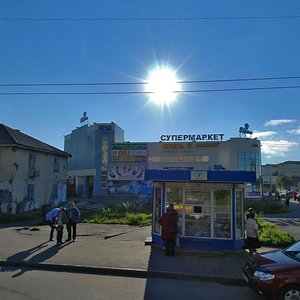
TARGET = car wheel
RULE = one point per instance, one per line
(290, 292)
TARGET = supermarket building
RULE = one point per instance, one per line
(204, 175)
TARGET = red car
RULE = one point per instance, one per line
(275, 274)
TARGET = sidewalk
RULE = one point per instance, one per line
(115, 250)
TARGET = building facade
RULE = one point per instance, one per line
(130, 160)
(103, 163)
(32, 173)
(90, 147)
(270, 172)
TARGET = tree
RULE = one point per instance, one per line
(284, 182)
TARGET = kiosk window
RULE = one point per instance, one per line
(197, 225)
(157, 209)
(239, 214)
(222, 213)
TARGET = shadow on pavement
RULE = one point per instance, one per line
(21, 257)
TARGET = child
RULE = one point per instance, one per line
(60, 232)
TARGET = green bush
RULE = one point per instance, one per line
(271, 236)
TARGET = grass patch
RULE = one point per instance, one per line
(271, 236)
(126, 213)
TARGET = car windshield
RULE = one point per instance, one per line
(293, 251)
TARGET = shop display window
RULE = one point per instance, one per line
(222, 214)
(157, 209)
(203, 211)
(175, 196)
(239, 214)
(198, 213)
(197, 225)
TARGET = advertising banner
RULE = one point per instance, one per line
(124, 171)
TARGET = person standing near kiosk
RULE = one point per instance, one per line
(169, 229)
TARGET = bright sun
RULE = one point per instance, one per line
(162, 85)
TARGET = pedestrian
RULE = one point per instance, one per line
(295, 194)
(59, 232)
(169, 229)
(287, 199)
(250, 210)
(277, 197)
(252, 241)
(73, 215)
(55, 215)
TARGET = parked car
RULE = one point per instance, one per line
(275, 274)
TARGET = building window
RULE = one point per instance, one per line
(30, 192)
(56, 165)
(54, 194)
(249, 161)
(32, 161)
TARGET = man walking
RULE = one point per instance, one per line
(73, 216)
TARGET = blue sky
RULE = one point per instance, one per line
(57, 42)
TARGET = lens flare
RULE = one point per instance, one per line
(162, 85)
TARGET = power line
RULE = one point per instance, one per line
(144, 92)
(153, 19)
(142, 83)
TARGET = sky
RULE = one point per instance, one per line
(237, 62)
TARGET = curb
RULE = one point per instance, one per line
(124, 272)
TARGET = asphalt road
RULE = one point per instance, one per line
(289, 222)
(36, 285)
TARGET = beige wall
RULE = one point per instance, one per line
(14, 177)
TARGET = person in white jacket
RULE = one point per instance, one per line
(252, 241)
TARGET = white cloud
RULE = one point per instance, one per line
(263, 134)
(277, 148)
(278, 122)
(294, 131)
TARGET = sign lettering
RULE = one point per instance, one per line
(192, 137)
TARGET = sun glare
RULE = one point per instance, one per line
(162, 85)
